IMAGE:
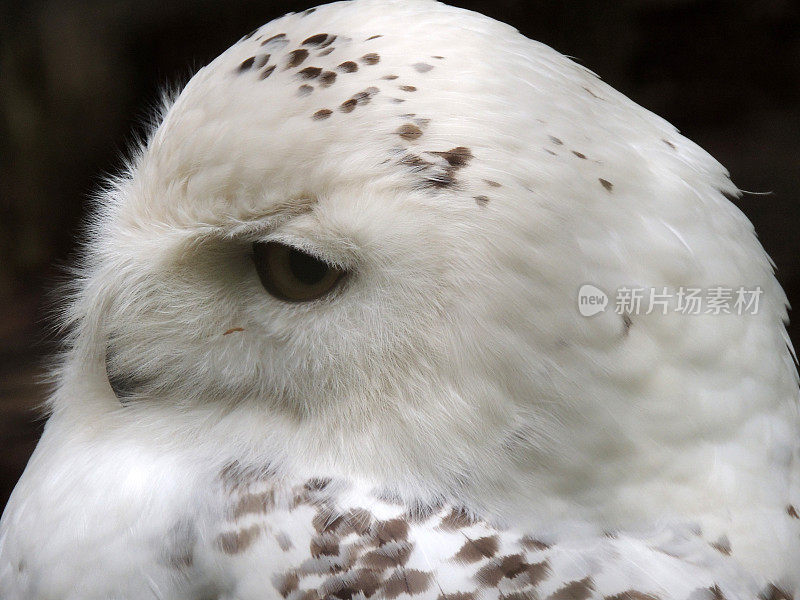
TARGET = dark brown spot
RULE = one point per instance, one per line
(723, 545)
(550, 152)
(408, 88)
(302, 496)
(792, 512)
(349, 584)
(348, 105)
(317, 484)
(373, 37)
(772, 592)
(626, 328)
(324, 545)
(631, 595)
(475, 550)
(254, 504)
(419, 512)
(326, 521)
(309, 72)
(409, 132)
(556, 141)
(504, 567)
(182, 560)
(668, 143)
(315, 40)
(513, 565)
(234, 542)
(273, 38)
(328, 42)
(390, 77)
(406, 581)
(533, 544)
(457, 157)
(489, 575)
(574, 590)
(422, 67)
(396, 100)
(491, 183)
(247, 64)
(371, 59)
(606, 184)
(287, 583)
(322, 114)
(716, 592)
(233, 330)
(261, 60)
(538, 572)
(358, 520)
(393, 530)
(326, 51)
(305, 89)
(457, 519)
(266, 72)
(579, 154)
(296, 57)
(591, 93)
(438, 57)
(348, 67)
(327, 78)
(233, 476)
(363, 97)
(309, 11)
(482, 200)
(327, 565)
(415, 161)
(387, 557)
(284, 541)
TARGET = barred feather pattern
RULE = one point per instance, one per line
(325, 538)
(445, 424)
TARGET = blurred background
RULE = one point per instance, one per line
(78, 80)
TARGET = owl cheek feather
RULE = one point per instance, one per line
(124, 385)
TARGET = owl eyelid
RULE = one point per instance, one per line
(301, 245)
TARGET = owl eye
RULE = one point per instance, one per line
(292, 275)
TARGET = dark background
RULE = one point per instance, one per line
(78, 79)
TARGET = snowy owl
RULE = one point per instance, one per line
(393, 304)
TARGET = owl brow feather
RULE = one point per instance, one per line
(255, 223)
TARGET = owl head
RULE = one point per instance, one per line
(354, 243)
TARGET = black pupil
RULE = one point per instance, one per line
(307, 269)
